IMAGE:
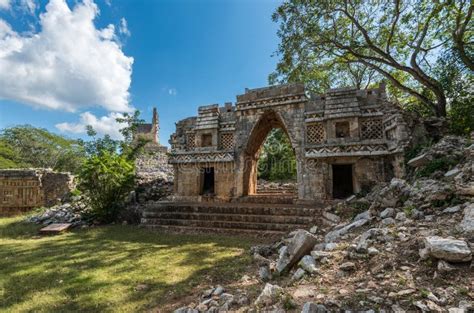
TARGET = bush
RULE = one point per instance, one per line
(107, 179)
(441, 164)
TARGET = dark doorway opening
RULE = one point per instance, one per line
(342, 186)
(207, 176)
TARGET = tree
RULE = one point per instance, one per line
(463, 30)
(458, 81)
(277, 160)
(106, 179)
(28, 146)
(400, 40)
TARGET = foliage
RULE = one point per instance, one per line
(458, 81)
(397, 40)
(106, 179)
(28, 146)
(99, 268)
(440, 164)
(277, 160)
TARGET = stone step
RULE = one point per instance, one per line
(248, 218)
(225, 231)
(222, 224)
(226, 216)
(268, 199)
(236, 208)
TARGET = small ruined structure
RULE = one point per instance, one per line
(149, 131)
(344, 140)
(24, 189)
(154, 175)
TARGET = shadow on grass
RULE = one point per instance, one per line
(99, 269)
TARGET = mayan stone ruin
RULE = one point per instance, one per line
(25, 189)
(344, 140)
(154, 176)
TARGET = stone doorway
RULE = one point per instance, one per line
(342, 181)
(207, 181)
(267, 122)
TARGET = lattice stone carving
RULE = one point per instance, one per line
(227, 141)
(190, 141)
(315, 133)
(371, 129)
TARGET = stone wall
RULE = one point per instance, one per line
(24, 189)
(343, 129)
(154, 176)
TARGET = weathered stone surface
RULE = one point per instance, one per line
(388, 221)
(452, 209)
(331, 217)
(467, 223)
(264, 273)
(310, 307)
(317, 255)
(452, 173)
(308, 264)
(299, 245)
(335, 234)
(388, 212)
(447, 249)
(269, 295)
(299, 273)
(24, 189)
(420, 160)
(362, 216)
(347, 266)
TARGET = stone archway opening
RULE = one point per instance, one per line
(270, 162)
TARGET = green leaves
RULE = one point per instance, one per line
(107, 179)
(28, 146)
(328, 44)
(277, 160)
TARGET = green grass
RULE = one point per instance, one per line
(98, 269)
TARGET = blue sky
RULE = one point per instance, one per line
(186, 53)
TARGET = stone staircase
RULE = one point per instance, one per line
(250, 218)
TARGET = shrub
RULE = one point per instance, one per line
(106, 179)
(441, 164)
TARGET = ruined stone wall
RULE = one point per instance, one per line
(188, 179)
(24, 189)
(340, 128)
(154, 176)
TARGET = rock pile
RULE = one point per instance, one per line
(71, 212)
(410, 248)
(216, 299)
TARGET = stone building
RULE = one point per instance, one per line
(24, 189)
(149, 131)
(154, 176)
(344, 140)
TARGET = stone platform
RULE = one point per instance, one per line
(250, 218)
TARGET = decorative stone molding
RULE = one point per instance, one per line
(204, 157)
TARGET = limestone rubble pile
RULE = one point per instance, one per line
(406, 246)
(71, 212)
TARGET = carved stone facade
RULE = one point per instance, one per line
(24, 189)
(344, 140)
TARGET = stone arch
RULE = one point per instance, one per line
(267, 121)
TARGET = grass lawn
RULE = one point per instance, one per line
(99, 269)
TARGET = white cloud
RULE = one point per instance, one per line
(68, 65)
(172, 92)
(103, 125)
(123, 29)
(5, 4)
